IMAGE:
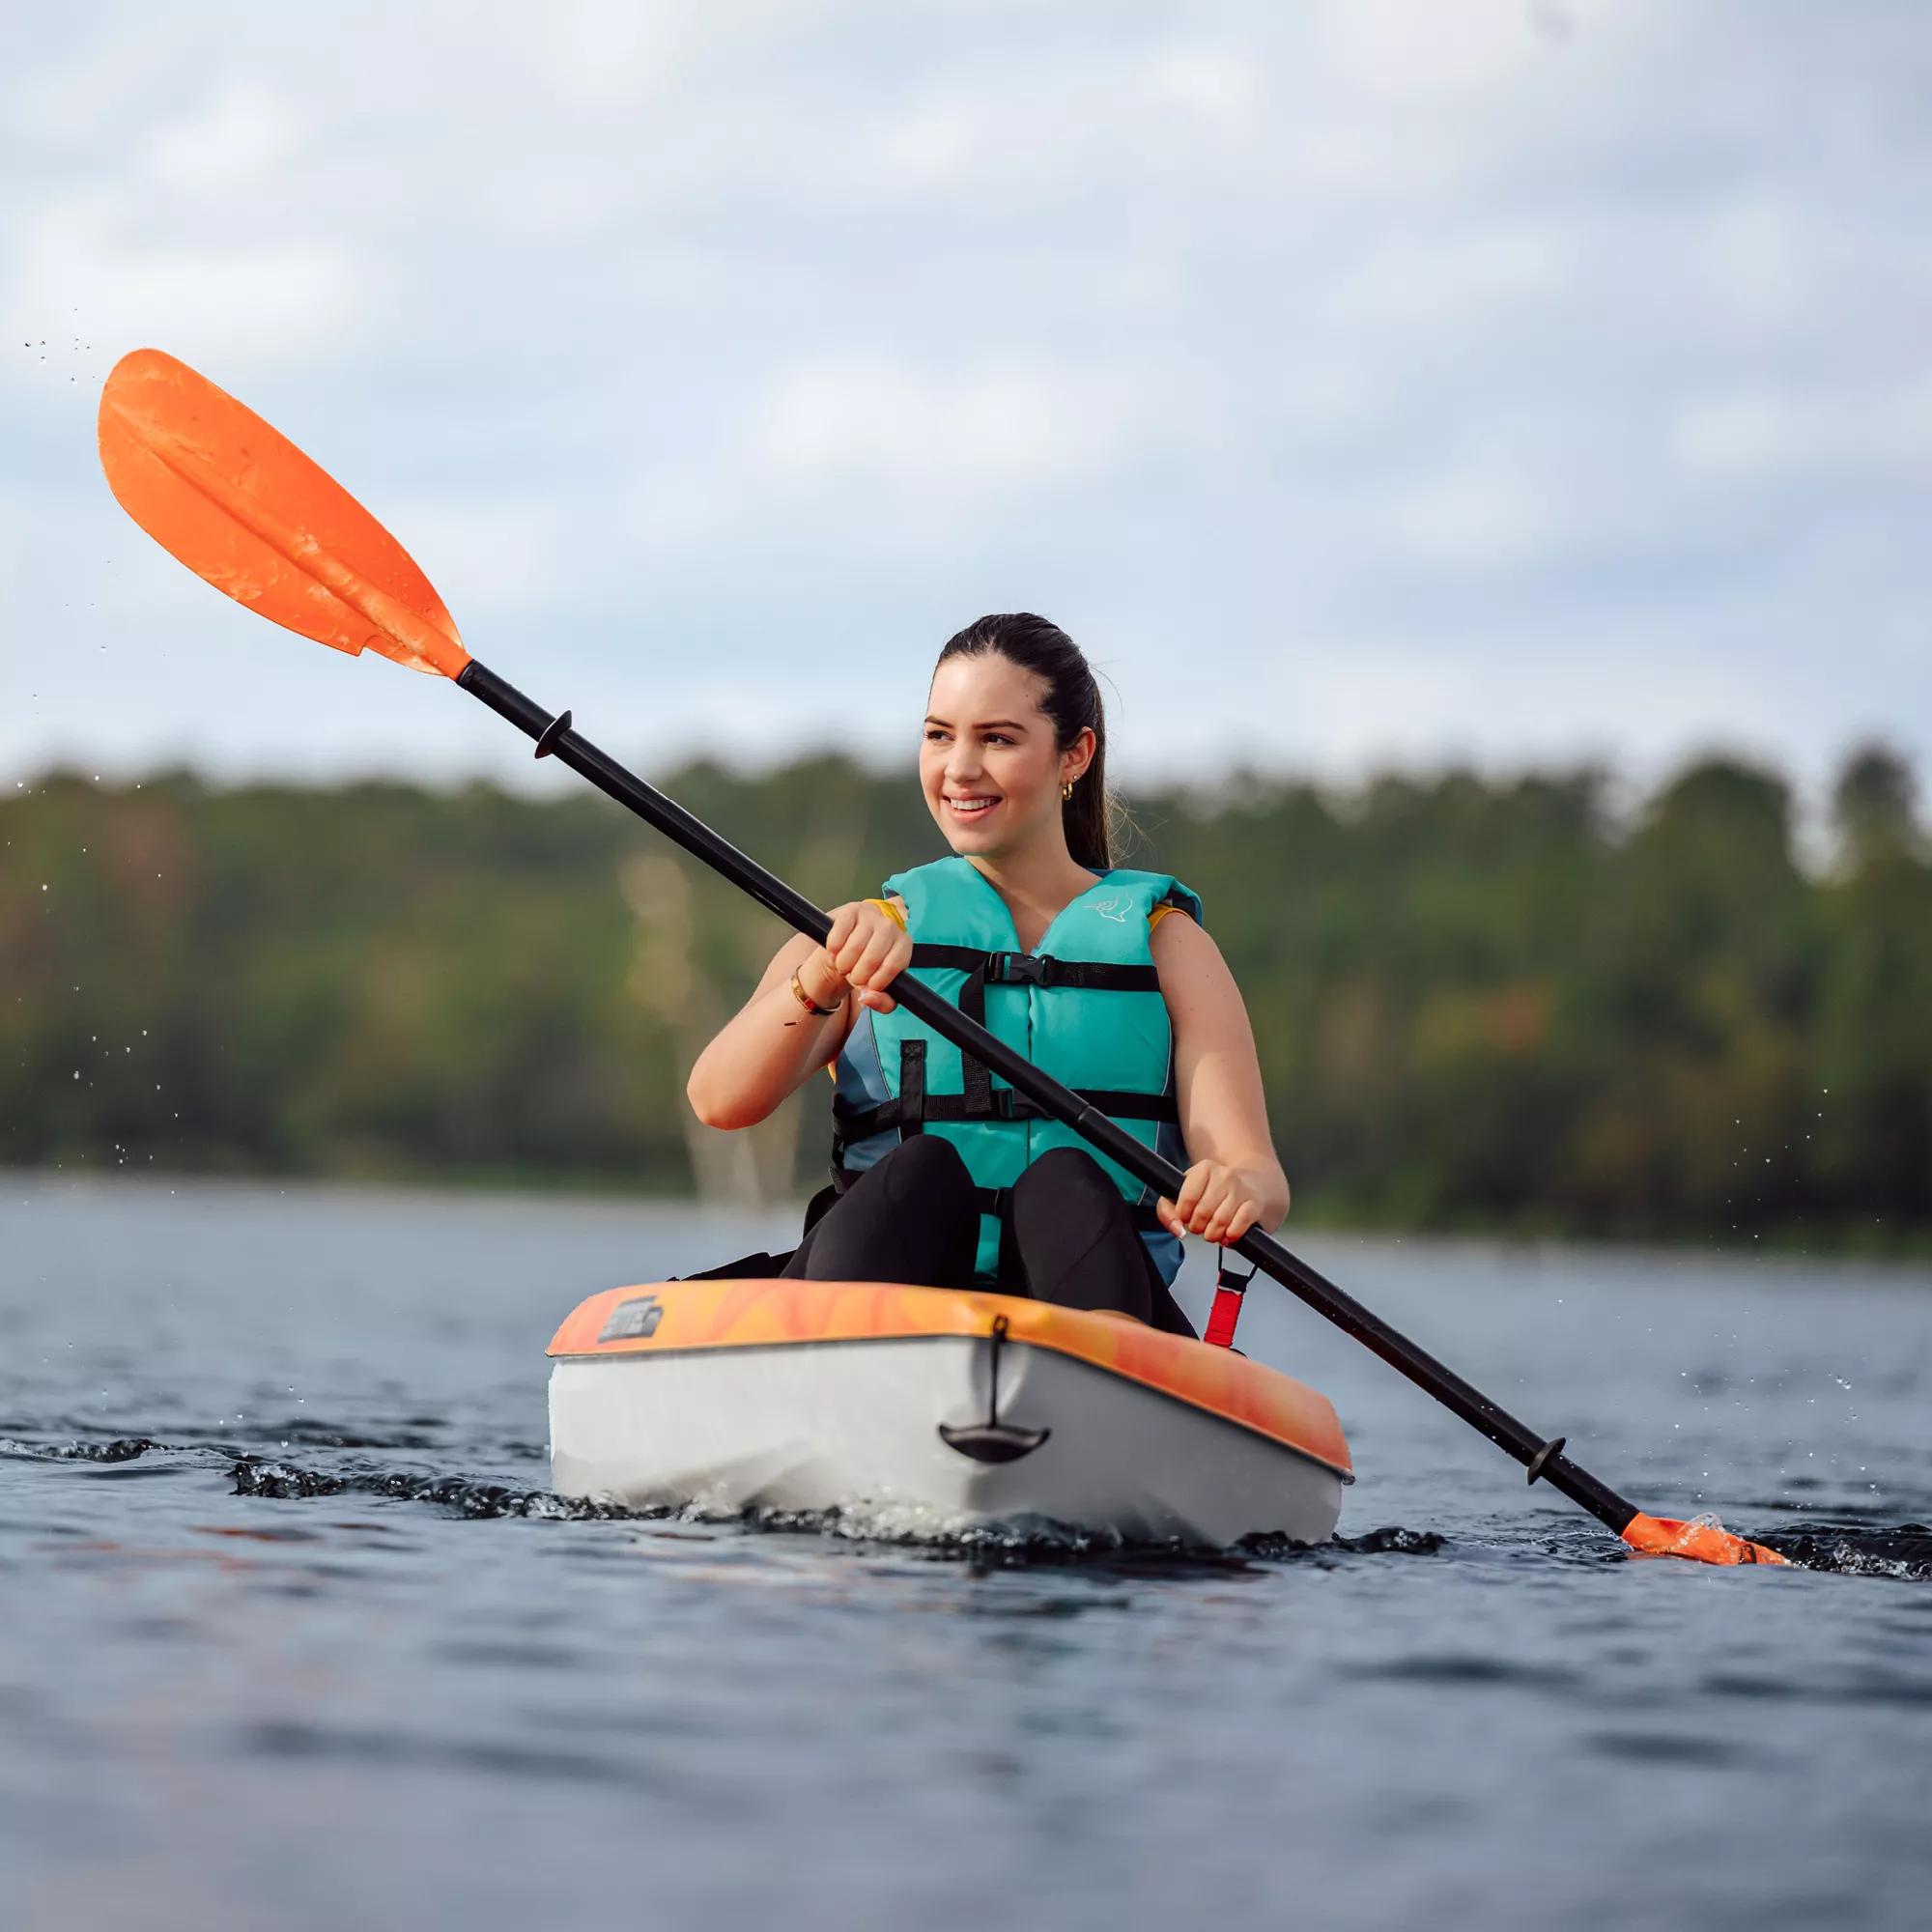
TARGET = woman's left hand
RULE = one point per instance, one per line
(1219, 1202)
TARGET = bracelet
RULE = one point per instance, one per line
(811, 1004)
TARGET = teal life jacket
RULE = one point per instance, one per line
(1085, 1006)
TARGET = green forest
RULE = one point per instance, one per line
(1530, 1005)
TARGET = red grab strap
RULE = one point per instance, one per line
(1226, 1313)
(1223, 1316)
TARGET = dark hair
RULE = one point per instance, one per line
(1072, 701)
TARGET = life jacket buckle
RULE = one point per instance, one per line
(1019, 969)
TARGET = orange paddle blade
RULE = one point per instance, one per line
(241, 506)
(1702, 1540)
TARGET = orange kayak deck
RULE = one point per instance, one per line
(684, 1317)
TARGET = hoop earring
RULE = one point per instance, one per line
(1066, 791)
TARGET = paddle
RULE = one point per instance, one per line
(238, 503)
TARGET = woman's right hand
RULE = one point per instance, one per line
(866, 950)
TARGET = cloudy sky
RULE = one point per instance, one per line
(1500, 379)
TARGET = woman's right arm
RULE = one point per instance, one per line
(773, 1045)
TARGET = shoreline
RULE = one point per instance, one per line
(1787, 1246)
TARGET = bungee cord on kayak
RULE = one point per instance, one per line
(241, 506)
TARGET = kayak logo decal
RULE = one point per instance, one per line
(634, 1320)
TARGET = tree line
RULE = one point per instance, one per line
(1481, 1003)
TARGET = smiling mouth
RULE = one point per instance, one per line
(971, 807)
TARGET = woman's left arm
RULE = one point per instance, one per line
(1236, 1182)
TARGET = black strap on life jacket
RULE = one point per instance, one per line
(979, 1100)
(914, 1106)
(1037, 968)
(1019, 969)
(909, 1110)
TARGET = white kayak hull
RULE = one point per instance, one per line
(869, 1425)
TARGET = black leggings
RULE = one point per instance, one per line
(913, 1218)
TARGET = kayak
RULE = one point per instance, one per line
(1197, 1449)
(933, 1413)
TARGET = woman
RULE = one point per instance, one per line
(1104, 978)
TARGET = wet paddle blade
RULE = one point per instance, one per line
(1851, 1548)
(1702, 1540)
(243, 507)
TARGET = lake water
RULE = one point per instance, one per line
(411, 1701)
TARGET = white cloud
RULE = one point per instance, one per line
(247, 302)
(1217, 83)
(1458, 275)
(507, 555)
(1394, 49)
(1754, 263)
(1461, 340)
(242, 129)
(1782, 436)
(1478, 519)
(935, 432)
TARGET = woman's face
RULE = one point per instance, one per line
(988, 764)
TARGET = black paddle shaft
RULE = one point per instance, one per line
(1544, 1459)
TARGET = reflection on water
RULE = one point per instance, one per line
(296, 1637)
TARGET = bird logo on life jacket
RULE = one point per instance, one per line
(1115, 907)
